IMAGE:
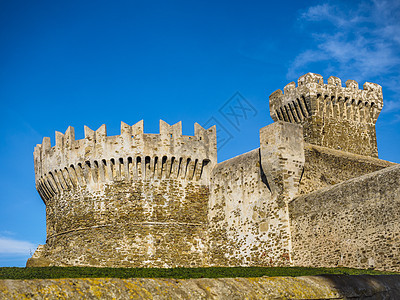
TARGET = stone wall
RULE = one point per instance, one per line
(131, 224)
(352, 224)
(325, 167)
(248, 216)
(307, 287)
(246, 224)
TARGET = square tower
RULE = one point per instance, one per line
(341, 118)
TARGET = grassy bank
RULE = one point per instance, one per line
(178, 273)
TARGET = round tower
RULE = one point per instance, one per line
(131, 200)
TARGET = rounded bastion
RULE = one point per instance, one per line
(131, 200)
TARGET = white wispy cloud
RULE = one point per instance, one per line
(392, 106)
(330, 13)
(10, 246)
(360, 41)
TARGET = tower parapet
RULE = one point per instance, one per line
(99, 159)
(332, 115)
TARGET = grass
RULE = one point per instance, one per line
(177, 273)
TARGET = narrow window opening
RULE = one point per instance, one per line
(147, 166)
(155, 163)
(172, 164)
(179, 166)
(187, 166)
(194, 168)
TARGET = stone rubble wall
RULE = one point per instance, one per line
(307, 287)
(282, 158)
(248, 212)
(248, 217)
(325, 167)
(353, 224)
(247, 227)
(158, 223)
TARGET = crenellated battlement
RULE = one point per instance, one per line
(312, 97)
(332, 115)
(132, 155)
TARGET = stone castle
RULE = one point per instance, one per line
(313, 194)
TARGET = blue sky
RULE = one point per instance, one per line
(81, 63)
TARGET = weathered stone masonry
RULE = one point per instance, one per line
(333, 116)
(353, 224)
(130, 200)
(162, 200)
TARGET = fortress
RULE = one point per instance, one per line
(313, 194)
